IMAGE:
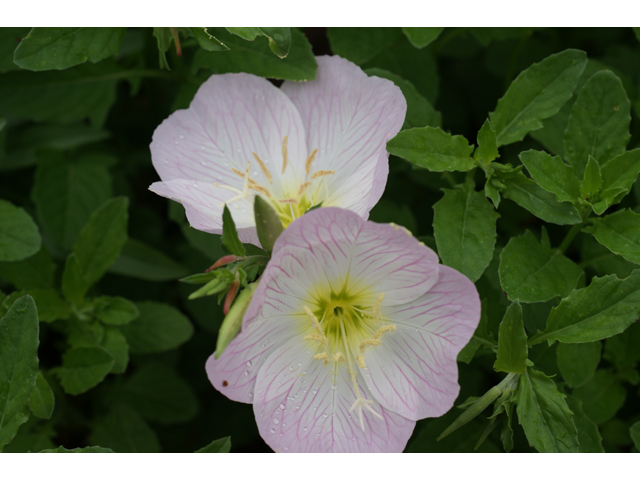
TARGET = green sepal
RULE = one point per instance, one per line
(233, 321)
(268, 224)
(230, 234)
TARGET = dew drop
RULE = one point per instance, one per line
(276, 421)
(304, 429)
(282, 406)
(286, 449)
(299, 364)
(251, 395)
(284, 424)
(291, 369)
(273, 430)
(246, 373)
(314, 392)
(181, 137)
(324, 415)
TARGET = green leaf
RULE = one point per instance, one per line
(420, 112)
(512, 342)
(65, 194)
(544, 414)
(420, 37)
(19, 237)
(623, 352)
(116, 344)
(157, 393)
(537, 93)
(85, 333)
(246, 33)
(599, 122)
(279, 39)
(35, 271)
(10, 38)
(465, 230)
(50, 304)
(268, 226)
(588, 433)
(85, 91)
(433, 149)
(541, 203)
(361, 44)
(619, 175)
(207, 41)
(115, 310)
(164, 40)
(533, 272)
(602, 396)
(222, 445)
(487, 150)
(139, 260)
(552, 174)
(603, 309)
(74, 286)
(578, 361)
(83, 368)
(158, 328)
(124, 431)
(42, 401)
(481, 338)
(60, 48)
(94, 449)
(230, 235)
(233, 320)
(634, 431)
(256, 58)
(620, 233)
(592, 181)
(102, 238)
(19, 361)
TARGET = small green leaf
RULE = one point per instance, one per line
(35, 271)
(83, 368)
(279, 39)
(578, 361)
(158, 328)
(634, 431)
(115, 310)
(541, 203)
(433, 149)
(268, 224)
(19, 237)
(207, 41)
(544, 414)
(487, 150)
(94, 449)
(588, 433)
(599, 122)
(537, 93)
(603, 309)
(116, 344)
(222, 445)
(532, 272)
(42, 401)
(247, 33)
(620, 233)
(602, 396)
(74, 285)
(618, 176)
(60, 48)
(139, 260)
(19, 361)
(164, 39)
(592, 181)
(233, 320)
(512, 342)
(124, 431)
(552, 174)
(465, 230)
(230, 234)
(361, 44)
(50, 305)
(623, 352)
(420, 37)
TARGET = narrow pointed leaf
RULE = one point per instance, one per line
(233, 320)
(223, 445)
(512, 342)
(487, 150)
(592, 181)
(268, 223)
(230, 234)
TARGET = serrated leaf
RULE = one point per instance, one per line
(230, 235)
(139, 260)
(42, 401)
(246, 33)
(603, 309)
(115, 310)
(602, 396)
(599, 122)
(544, 414)
(207, 41)
(19, 236)
(533, 272)
(465, 231)
(433, 149)
(588, 433)
(93, 449)
(83, 368)
(222, 445)
(537, 93)
(618, 176)
(420, 37)
(18, 365)
(268, 224)
(512, 342)
(361, 44)
(552, 174)
(578, 361)
(158, 328)
(124, 431)
(592, 181)
(539, 202)
(487, 150)
(620, 233)
(63, 47)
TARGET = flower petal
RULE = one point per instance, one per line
(414, 372)
(234, 373)
(375, 257)
(300, 406)
(349, 117)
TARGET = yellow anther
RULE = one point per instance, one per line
(259, 188)
(288, 200)
(322, 173)
(360, 360)
(376, 307)
(303, 187)
(338, 357)
(309, 161)
(370, 342)
(322, 356)
(318, 338)
(316, 325)
(238, 172)
(263, 167)
(285, 154)
(383, 330)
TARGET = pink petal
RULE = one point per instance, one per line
(414, 372)
(301, 407)
(376, 257)
(349, 117)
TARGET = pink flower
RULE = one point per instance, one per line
(350, 338)
(299, 145)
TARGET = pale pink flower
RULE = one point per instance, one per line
(299, 145)
(350, 338)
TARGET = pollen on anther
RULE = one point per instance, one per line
(322, 173)
(303, 187)
(263, 167)
(309, 161)
(285, 154)
(288, 200)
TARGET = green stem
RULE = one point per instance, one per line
(570, 236)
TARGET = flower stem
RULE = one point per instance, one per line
(570, 236)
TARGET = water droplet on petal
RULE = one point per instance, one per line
(181, 137)
(282, 406)
(246, 373)
(286, 449)
(276, 421)
(299, 364)
(304, 429)
(248, 363)
(273, 430)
